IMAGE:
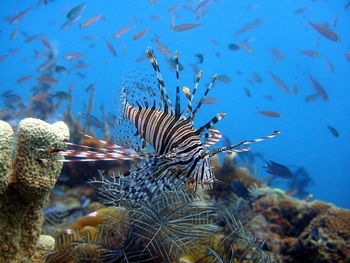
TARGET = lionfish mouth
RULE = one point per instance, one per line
(179, 148)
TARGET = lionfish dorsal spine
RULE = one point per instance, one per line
(189, 102)
(178, 102)
(210, 123)
(168, 107)
(204, 96)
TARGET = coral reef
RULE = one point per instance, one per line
(239, 219)
(178, 226)
(25, 184)
(91, 236)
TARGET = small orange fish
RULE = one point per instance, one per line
(111, 48)
(47, 80)
(347, 56)
(23, 79)
(326, 32)
(184, 27)
(73, 55)
(140, 34)
(215, 42)
(123, 31)
(18, 17)
(279, 82)
(14, 34)
(223, 78)
(310, 53)
(249, 26)
(154, 17)
(300, 10)
(174, 8)
(312, 97)
(91, 21)
(40, 96)
(278, 55)
(318, 88)
(4, 57)
(295, 89)
(162, 48)
(330, 65)
(210, 101)
(245, 46)
(272, 114)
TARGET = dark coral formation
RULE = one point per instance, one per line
(26, 184)
(294, 230)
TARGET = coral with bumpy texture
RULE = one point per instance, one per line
(26, 187)
(6, 141)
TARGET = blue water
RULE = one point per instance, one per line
(304, 141)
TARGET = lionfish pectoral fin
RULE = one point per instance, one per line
(232, 148)
(213, 137)
(112, 152)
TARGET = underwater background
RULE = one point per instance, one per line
(282, 65)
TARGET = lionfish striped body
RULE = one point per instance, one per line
(181, 151)
(175, 139)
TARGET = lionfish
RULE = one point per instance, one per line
(180, 150)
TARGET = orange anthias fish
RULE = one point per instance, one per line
(184, 27)
(318, 88)
(162, 48)
(347, 56)
(73, 55)
(246, 47)
(111, 48)
(210, 101)
(249, 26)
(310, 53)
(23, 79)
(3, 57)
(326, 32)
(16, 18)
(223, 78)
(312, 97)
(280, 83)
(123, 31)
(300, 10)
(91, 21)
(40, 96)
(47, 80)
(330, 65)
(140, 34)
(278, 55)
(272, 114)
